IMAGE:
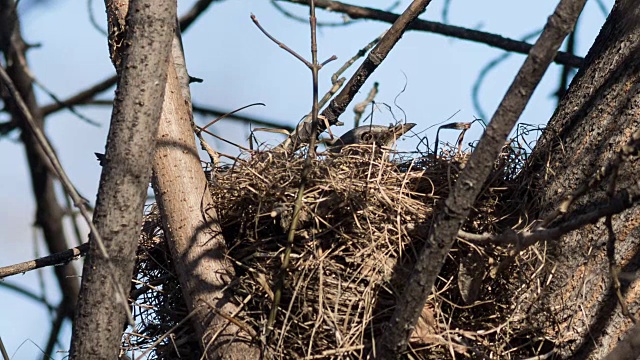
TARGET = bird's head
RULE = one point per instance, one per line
(379, 135)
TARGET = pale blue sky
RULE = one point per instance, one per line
(241, 66)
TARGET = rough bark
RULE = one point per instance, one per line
(144, 55)
(458, 205)
(189, 219)
(597, 116)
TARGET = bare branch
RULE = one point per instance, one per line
(279, 43)
(306, 130)
(470, 182)
(85, 95)
(360, 12)
(50, 260)
(81, 97)
(20, 101)
(142, 67)
(206, 110)
(27, 293)
(360, 107)
(196, 10)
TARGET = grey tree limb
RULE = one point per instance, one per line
(144, 54)
(459, 203)
(494, 40)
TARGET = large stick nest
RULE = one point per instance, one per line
(363, 221)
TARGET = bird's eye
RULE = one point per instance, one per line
(366, 137)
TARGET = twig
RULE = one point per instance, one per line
(204, 110)
(361, 53)
(336, 82)
(55, 98)
(229, 114)
(523, 240)
(92, 19)
(279, 43)
(79, 98)
(484, 72)
(3, 351)
(209, 111)
(198, 8)
(85, 95)
(345, 21)
(470, 182)
(56, 326)
(360, 107)
(306, 130)
(360, 12)
(200, 130)
(78, 201)
(28, 293)
(56, 259)
(315, 67)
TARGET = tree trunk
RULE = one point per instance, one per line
(144, 54)
(596, 117)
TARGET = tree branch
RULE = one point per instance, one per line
(306, 130)
(470, 182)
(141, 59)
(497, 41)
(21, 103)
(211, 111)
(56, 259)
(85, 95)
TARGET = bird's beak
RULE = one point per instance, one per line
(402, 129)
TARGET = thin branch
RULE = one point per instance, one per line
(476, 89)
(615, 205)
(307, 130)
(345, 21)
(49, 214)
(470, 182)
(85, 95)
(280, 43)
(81, 97)
(626, 152)
(27, 293)
(360, 12)
(56, 259)
(3, 351)
(304, 174)
(360, 107)
(230, 113)
(336, 84)
(78, 200)
(196, 10)
(93, 21)
(210, 111)
(56, 326)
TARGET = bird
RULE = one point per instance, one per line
(378, 135)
